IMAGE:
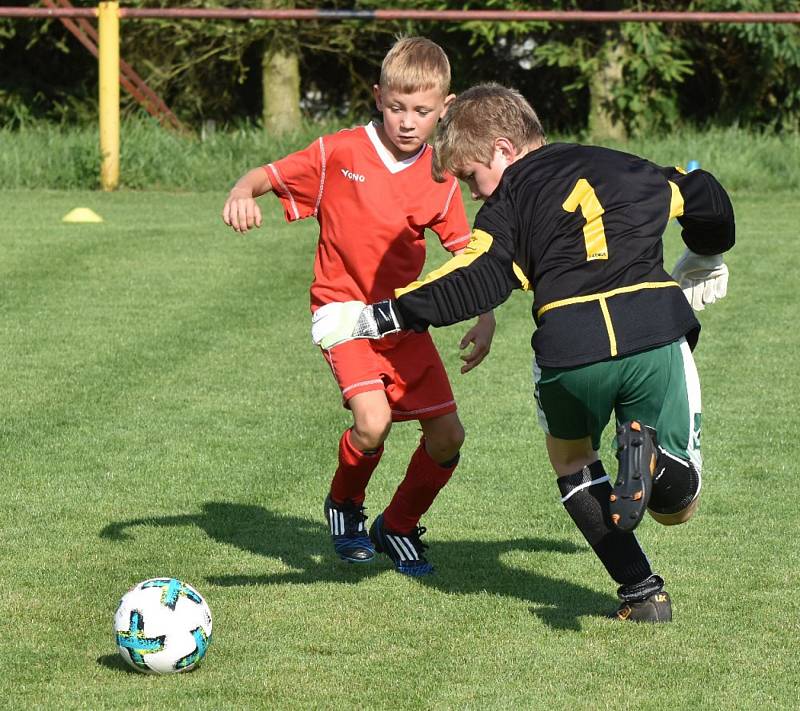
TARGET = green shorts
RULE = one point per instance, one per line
(658, 387)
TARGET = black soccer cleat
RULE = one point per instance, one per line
(405, 550)
(637, 453)
(348, 532)
(655, 608)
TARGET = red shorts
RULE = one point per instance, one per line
(405, 365)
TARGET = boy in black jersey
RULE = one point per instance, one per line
(581, 226)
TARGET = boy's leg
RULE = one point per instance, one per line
(585, 495)
(430, 468)
(664, 390)
(361, 446)
(358, 373)
(418, 388)
(573, 430)
(396, 531)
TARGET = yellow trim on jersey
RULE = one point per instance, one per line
(479, 243)
(602, 299)
(612, 338)
(676, 201)
(604, 295)
(682, 171)
(523, 280)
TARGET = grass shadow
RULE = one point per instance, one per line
(116, 663)
(463, 567)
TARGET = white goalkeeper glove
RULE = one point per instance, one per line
(338, 322)
(703, 278)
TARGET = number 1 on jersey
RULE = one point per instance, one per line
(594, 233)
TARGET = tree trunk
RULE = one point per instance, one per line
(602, 123)
(280, 81)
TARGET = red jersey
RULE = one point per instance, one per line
(372, 212)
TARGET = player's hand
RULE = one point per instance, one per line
(338, 322)
(703, 278)
(241, 211)
(335, 323)
(480, 335)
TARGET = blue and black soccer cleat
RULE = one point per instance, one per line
(637, 453)
(348, 532)
(405, 549)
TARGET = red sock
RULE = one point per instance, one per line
(354, 471)
(423, 481)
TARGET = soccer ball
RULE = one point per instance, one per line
(162, 626)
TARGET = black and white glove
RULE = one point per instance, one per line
(703, 278)
(338, 322)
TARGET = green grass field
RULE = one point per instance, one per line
(163, 412)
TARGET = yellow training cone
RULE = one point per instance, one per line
(81, 214)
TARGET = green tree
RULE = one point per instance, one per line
(582, 77)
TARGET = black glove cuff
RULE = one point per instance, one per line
(386, 317)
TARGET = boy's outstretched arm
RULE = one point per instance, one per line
(704, 210)
(469, 285)
(241, 212)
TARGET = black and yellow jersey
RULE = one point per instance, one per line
(581, 226)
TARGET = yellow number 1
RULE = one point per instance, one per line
(594, 233)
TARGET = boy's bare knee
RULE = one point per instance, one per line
(673, 519)
(371, 430)
(568, 456)
(444, 442)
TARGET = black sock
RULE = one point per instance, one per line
(585, 497)
(641, 591)
(675, 485)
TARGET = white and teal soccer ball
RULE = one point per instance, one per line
(162, 626)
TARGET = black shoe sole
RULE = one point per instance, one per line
(637, 455)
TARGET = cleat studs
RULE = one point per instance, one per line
(613, 497)
(637, 496)
(615, 518)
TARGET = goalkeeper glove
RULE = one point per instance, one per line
(703, 278)
(337, 322)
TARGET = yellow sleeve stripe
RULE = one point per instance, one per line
(479, 244)
(676, 201)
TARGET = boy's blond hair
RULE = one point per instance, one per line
(475, 119)
(415, 64)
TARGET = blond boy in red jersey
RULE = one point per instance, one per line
(370, 188)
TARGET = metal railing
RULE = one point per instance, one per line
(433, 15)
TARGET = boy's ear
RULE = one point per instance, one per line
(449, 99)
(507, 149)
(376, 94)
